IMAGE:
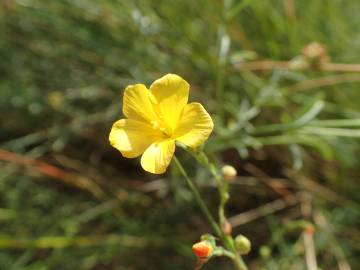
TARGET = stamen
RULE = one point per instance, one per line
(157, 126)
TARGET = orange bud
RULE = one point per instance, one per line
(202, 249)
(310, 229)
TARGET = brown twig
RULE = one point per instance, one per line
(310, 253)
(263, 210)
(318, 189)
(53, 172)
(290, 11)
(273, 183)
(263, 65)
(323, 224)
(323, 81)
(7, 4)
(199, 264)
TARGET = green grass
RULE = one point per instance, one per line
(63, 67)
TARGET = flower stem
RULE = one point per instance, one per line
(227, 240)
(223, 188)
(198, 198)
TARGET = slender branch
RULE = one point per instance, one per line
(54, 172)
(199, 264)
(335, 248)
(226, 239)
(224, 197)
(222, 186)
(263, 65)
(273, 183)
(341, 67)
(263, 210)
(310, 253)
(324, 81)
(198, 198)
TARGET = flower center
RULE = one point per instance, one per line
(162, 128)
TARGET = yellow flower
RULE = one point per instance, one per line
(156, 118)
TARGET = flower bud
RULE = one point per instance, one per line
(203, 249)
(310, 229)
(265, 252)
(242, 244)
(316, 53)
(55, 99)
(229, 173)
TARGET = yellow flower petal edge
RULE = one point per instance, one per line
(195, 125)
(157, 157)
(171, 93)
(156, 119)
(138, 103)
(132, 137)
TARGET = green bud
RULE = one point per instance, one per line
(242, 244)
(265, 252)
(209, 238)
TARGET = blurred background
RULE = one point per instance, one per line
(279, 78)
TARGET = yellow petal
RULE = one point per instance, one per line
(158, 156)
(138, 103)
(171, 93)
(195, 125)
(132, 137)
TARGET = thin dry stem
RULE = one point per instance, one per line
(53, 172)
(263, 65)
(273, 183)
(310, 253)
(263, 210)
(323, 81)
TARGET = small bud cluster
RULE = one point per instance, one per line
(206, 248)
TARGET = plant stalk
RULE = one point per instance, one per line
(226, 239)
(198, 198)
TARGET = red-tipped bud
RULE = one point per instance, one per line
(310, 229)
(202, 249)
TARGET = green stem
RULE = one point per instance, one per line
(223, 188)
(227, 240)
(198, 198)
(223, 252)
